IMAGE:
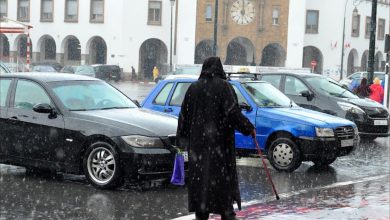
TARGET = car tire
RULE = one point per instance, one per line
(102, 166)
(321, 162)
(284, 154)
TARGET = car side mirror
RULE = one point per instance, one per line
(245, 106)
(43, 108)
(307, 94)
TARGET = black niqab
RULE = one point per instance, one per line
(212, 67)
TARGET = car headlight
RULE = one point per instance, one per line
(350, 107)
(143, 141)
(324, 132)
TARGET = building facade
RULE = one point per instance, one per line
(250, 32)
(316, 30)
(120, 32)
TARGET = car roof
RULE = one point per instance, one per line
(291, 73)
(47, 76)
(187, 79)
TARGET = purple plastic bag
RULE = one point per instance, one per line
(178, 170)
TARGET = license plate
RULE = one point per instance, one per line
(347, 143)
(380, 122)
(185, 155)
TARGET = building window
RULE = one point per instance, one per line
(24, 10)
(355, 25)
(154, 13)
(381, 29)
(71, 10)
(368, 27)
(3, 9)
(275, 16)
(209, 13)
(97, 11)
(312, 21)
(46, 10)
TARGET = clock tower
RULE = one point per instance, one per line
(250, 32)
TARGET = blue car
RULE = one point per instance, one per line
(288, 134)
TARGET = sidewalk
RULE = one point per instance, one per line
(368, 198)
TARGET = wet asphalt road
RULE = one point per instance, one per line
(353, 187)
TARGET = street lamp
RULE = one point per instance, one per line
(170, 50)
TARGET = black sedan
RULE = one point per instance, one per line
(81, 125)
(323, 94)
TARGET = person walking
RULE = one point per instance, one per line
(133, 75)
(363, 90)
(155, 73)
(209, 116)
(377, 92)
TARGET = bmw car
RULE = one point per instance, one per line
(287, 133)
(82, 125)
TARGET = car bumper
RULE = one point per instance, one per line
(146, 163)
(367, 128)
(314, 148)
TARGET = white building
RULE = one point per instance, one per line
(122, 32)
(316, 34)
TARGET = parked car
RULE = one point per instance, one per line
(107, 72)
(84, 70)
(183, 71)
(353, 81)
(68, 69)
(43, 68)
(3, 68)
(15, 67)
(287, 133)
(323, 94)
(81, 125)
(53, 64)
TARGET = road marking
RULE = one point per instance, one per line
(294, 193)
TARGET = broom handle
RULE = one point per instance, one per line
(266, 170)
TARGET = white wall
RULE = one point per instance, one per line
(330, 33)
(296, 33)
(124, 29)
(186, 32)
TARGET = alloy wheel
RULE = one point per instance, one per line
(101, 165)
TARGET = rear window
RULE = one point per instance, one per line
(178, 95)
(162, 97)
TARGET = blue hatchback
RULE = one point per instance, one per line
(288, 134)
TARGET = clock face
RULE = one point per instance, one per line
(242, 12)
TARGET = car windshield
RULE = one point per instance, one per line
(328, 86)
(265, 95)
(90, 95)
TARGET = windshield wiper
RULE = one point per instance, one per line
(107, 108)
(82, 109)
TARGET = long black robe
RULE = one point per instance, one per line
(209, 115)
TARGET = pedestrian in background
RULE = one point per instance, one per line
(155, 73)
(363, 90)
(133, 75)
(377, 92)
(209, 116)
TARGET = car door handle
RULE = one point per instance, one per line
(23, 116)
(14, 118)
(168, 110)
